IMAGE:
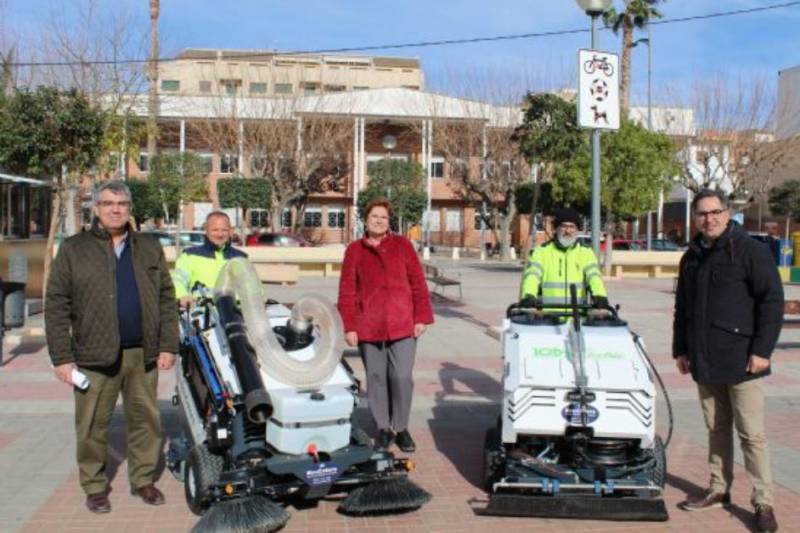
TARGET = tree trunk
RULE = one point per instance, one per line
(625, 78)
(55, 220)
(152, 104)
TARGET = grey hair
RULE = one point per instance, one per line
(115, 186)
(710, 193)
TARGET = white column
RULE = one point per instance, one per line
(362, 153)
(182, 149)
(660, 216)
(354, 179)
(688, 214)
(299, 135)
(429, 178)
(240, 139)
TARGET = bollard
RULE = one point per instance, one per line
(512, 253)
(456, 255)
(426, 254)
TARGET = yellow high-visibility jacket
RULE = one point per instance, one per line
(201, 264)
(552, 269)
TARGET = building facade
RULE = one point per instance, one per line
(262, 73)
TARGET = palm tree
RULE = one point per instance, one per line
(637, 14)
(152, 108)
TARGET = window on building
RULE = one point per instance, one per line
(310, 88)
(437, 166)
(170, 85)
(433, 220)
(228, 163)
(258, 88)
(208, 162)
(286, 218)
(312, 218)
(144, 162)
(478, 220)
(454, 220)
(231, 88)
(205, 86)
(360, 87)
(335, 88)
(336, 217)
(259, 218)
(283, 88)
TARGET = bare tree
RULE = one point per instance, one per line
(734, 148)
(295, 143)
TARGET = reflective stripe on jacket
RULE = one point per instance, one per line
(551, 270)
(201, 264)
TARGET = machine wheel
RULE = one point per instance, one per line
(202, 469)
(493, 467)
(658, 475)
(359, 437)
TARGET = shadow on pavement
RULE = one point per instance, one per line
(461, 417)
(118, 438)
(447, 312)
(690, 488)
(23, 348)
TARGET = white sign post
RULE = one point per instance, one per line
(598, 90)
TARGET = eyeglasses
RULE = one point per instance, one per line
(107, 204)
(714, 213)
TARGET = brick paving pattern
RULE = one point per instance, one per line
(457, 389)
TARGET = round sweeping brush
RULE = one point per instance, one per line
(385, 496)
(252, 514)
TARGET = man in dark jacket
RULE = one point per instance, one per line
(728, 316)
(110, 312)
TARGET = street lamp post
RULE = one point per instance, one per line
(649, 42)
(595, 8)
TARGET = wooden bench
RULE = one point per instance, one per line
(441, 280)
(791, 314)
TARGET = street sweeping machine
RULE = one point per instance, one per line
(267, 405)
(576, 437)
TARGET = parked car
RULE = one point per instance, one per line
(167, 238)
(278, 239)
(664, 245)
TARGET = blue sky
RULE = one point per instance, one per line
(753, 45)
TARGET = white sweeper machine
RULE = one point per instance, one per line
(576, 437)
(267, 406)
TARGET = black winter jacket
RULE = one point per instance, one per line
(728, 305)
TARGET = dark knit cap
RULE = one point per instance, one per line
(567, 214)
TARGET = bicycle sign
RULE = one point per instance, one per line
(598, 90)
(599, 64)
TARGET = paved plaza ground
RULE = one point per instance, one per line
(457, 391)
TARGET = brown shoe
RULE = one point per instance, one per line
(765, 519)
(709, 500)
(98, 502)
(149, 494)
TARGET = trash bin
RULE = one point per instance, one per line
(12, 304)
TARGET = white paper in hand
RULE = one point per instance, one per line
(79, 379)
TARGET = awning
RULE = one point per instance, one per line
(8, 178)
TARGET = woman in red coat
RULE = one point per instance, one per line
(385, 306)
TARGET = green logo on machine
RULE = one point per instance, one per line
(605, 355)
(548, 351)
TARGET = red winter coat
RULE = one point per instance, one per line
(382, 290)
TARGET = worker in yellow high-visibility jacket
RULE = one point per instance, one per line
(202, 264)
(563, 261)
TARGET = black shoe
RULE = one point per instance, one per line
(384, 440)
(405, 442)
(765, 519)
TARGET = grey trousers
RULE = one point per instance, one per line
(740, 406)
(389, 381)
